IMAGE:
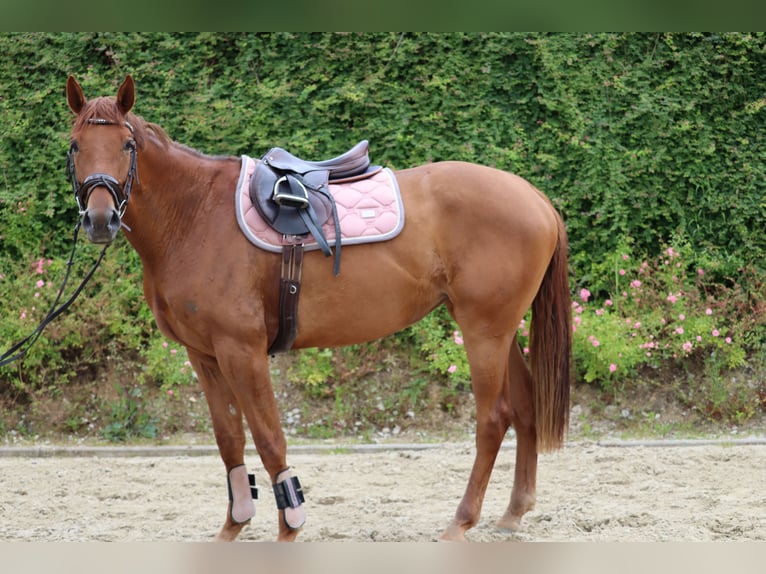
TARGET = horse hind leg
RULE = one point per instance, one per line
(522, 416)
(230, 437)
(493, 418)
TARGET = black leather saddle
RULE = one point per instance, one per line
(292, 194)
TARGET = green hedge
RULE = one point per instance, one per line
(641, 140)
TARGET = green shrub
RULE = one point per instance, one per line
(663, 312)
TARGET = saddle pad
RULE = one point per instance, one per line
(369, 210)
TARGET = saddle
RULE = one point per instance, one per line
(292, 195)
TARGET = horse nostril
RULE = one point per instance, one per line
(114, 222)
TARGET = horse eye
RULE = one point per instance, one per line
(73, 146)
(129, 145)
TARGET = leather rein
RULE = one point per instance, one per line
(82, 191)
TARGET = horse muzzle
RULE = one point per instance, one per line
(101, 224)
(102, 202)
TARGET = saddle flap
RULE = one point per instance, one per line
(279, 205)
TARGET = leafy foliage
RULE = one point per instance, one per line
(642, 140)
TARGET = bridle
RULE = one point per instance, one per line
(120, 194)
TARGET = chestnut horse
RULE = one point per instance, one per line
(483, 242)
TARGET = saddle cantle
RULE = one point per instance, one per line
(292, 194)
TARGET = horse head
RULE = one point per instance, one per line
(102, 158)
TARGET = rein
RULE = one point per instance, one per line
(22, 347)
(120, 195)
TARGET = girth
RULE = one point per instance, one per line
(292, 195)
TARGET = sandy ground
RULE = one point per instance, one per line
(586, 492)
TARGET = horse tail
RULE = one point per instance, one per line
(550, 347)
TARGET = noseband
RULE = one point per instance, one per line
(119, 194)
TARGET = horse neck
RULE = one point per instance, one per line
(179, 194)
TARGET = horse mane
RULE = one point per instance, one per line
(106, 108)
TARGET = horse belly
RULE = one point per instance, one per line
(379, 291)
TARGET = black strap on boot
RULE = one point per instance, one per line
(289, 493)
(250, 479)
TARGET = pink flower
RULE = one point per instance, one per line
(700, 272)
(625, 257)
(635, 284)
(728, 340)
(622, 271)
(687, 346)
(173, 351)
(716, 332)
(612, 368)
(708, 311)
(526, 350)
(680, 330)
(584, 294)
(681, 317)
(170, 392)
(457, 338)
(599, 312)
(670, 252)
(452, 368)
(672, 298)
(608, 303)
(164, 344)
(40, 283)
(595, 342)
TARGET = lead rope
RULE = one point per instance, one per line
(25, 344)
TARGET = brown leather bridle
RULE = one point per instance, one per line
(120, 194)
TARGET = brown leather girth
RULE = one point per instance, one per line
(289, 291)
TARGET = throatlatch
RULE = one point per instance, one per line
(289, 495)
(242, 492)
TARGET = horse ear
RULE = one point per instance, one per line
(74, 95)
(126, 95)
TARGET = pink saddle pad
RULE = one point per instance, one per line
(369, 210)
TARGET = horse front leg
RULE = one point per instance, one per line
(230, 437)
(248, 375)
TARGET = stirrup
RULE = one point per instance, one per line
(295, 195)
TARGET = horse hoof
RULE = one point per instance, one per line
(510, 523)
(452, 534)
